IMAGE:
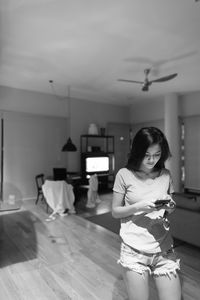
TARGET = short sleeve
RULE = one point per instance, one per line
(119, 184)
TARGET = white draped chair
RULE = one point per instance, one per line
(59, 196)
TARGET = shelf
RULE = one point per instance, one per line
(98, 145)
(96, 136)
(96, 153)
(102, 143)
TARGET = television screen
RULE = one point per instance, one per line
(97, 164)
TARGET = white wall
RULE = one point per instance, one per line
(32, 102)
(152, 113)
(32, 145)
(190, 104)
(147, 110)
(86, 112)
(151, 110)
(36, 128)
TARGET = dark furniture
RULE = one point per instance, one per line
(59, 174)
(72, 178)
(185, 220)
(39, 179)
(96, 146)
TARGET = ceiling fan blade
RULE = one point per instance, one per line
(126, 80)
(165, 78)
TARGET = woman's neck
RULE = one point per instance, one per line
(146, 171)
(146, 174)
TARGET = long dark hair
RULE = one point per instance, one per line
(144, 138)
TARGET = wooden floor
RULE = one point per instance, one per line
(71, 258)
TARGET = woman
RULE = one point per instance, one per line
(147, 246)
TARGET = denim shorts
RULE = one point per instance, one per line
(158, 264)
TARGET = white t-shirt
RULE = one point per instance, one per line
(144, 231)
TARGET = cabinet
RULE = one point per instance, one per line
(97, 156)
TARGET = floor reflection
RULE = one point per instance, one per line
(18, 241)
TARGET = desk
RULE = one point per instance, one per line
(75, 180)
(59, 196)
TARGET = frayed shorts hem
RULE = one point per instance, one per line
(148, 270)
(159, 264)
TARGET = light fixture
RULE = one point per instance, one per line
(69, 146)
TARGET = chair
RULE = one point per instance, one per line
(39, 179)
(60, 174)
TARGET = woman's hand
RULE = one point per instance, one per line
(169, 206)
(146, 206)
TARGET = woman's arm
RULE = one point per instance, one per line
(119, 210)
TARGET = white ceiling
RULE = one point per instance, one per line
(88, 44)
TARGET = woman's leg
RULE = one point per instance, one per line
(137, 284)
(168, 286)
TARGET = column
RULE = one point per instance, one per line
(172, 132)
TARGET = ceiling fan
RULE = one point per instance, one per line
(146, 83)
